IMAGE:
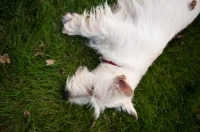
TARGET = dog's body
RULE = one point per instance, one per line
(131, 35)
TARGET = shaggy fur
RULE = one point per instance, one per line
(132, 34)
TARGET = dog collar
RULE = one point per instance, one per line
(108, 62)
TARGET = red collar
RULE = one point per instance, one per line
(109, 62)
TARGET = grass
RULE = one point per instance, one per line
(167, 99)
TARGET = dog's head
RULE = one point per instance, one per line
(106, 86)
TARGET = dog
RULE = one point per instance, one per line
(129, 36)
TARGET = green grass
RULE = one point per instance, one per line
(167, 99)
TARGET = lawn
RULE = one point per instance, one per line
(31, 92)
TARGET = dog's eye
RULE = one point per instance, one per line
(92, 88)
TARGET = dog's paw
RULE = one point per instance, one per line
(68, 17)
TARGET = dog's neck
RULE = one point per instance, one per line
(109, 62)
(103, 60)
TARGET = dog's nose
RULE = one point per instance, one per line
(66, 94)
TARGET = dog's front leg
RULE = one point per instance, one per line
(84, 25)
(92, 25)
(72, 23)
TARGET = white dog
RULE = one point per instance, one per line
(129, 36)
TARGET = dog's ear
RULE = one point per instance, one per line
(121, 83)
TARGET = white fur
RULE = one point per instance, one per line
(132, 34)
